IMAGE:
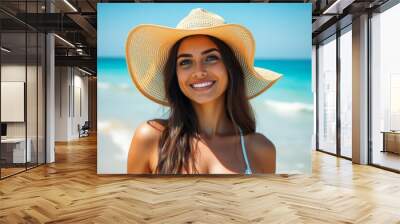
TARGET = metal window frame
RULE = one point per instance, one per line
(389, 4)
(339, 32)
(381, 9)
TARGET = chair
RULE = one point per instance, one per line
(84, 130)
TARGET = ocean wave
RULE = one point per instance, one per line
(118, 87)
(289, 107)
(119, 134)
(124, 86)
(103, 85)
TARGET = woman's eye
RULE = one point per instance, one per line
(185, 62)
(211, 58)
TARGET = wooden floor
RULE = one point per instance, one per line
(70, 191)
(387, 159)
(5, 172)
(10, 171)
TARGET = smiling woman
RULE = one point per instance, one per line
(203, 71)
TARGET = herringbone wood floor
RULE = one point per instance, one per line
(70, 191)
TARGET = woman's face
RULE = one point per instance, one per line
(202, 75)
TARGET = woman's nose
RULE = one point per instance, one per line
(200, 74)
(200, 71)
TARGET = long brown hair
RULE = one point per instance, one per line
(175, 145)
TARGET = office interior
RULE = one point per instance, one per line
(49, 81)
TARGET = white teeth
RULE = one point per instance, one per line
(201, 85)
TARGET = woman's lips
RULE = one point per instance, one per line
(202, 85)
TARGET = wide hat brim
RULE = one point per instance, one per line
(148, 46)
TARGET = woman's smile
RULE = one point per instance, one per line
(204, 85)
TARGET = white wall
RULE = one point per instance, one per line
(16, 73)
(13, 73)
(10, 73)
(71, 94)
(33, 126)
(81, 94)
(62, 81)
(12, 101)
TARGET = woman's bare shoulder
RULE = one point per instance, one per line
(151, 129)
(260, 143)
(143, 149)
(262, 152)
(148, 133)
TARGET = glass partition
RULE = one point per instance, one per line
(346, 92)
(327, 95)
(22, 77)
(14, 153)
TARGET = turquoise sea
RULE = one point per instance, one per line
(284, 113)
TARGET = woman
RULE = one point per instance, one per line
(203, 71)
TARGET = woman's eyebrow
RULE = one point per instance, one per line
(184, 55)
(209, 50)
(204, 52)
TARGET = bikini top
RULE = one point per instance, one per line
(248, 169)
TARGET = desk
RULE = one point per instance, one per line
(18, 149)
(391, 141)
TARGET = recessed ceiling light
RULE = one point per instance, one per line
(64, 40)
(337, 7)
(70, 5)
(5, 50)
(84, 71)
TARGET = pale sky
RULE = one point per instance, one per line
(281, 31)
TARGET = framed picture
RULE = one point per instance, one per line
(204, 88)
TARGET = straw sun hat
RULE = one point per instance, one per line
(148, 46)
